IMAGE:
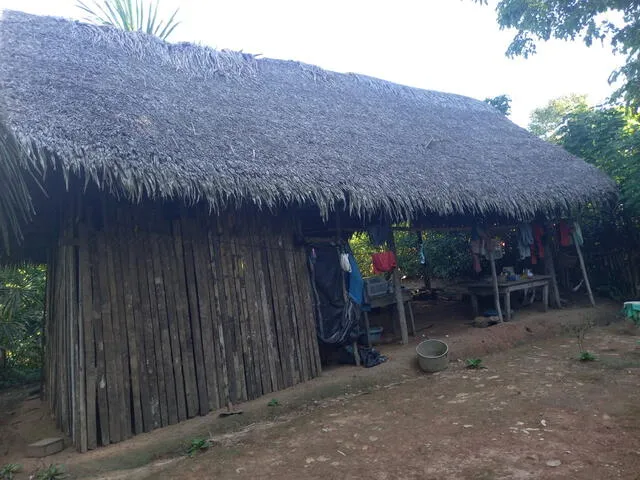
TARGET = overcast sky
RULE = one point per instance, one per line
(449, 45)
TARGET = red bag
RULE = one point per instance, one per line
(383, 262)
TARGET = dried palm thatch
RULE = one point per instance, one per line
(141, 117)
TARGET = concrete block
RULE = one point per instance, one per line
(45, 447)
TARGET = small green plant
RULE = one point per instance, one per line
(474, 363)
(273, 403)
(198, 445)
(52, 472)
(580, 331)
(8, 471)
(587, 357)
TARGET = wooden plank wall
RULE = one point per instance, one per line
(154, 318)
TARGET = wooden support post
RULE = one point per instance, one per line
(550, 269)
(584, 269)
(496, 293)
(397, 288)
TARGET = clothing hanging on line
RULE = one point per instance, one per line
(383, 262)
(345, 264)
(356, 282)
(525, 240)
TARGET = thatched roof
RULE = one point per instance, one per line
(141, 117)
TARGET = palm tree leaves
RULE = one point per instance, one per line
(130, 15)
(15, 202)
(21, 303)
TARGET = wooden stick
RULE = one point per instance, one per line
(404, 331)
(583, 268)
(496, 292)
(550, 269)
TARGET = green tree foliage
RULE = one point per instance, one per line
(589, 20)
(130, 15)
(447, 254)
(501, 102)
(610, 139)
(22, 291)
(607, 137)
(546, 121)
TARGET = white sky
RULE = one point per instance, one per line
(448, 45)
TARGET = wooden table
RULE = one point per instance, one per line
(506, 287)
(387, 300)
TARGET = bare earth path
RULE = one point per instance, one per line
(534, 413)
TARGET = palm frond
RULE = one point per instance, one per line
(15, 202)
(130, 15)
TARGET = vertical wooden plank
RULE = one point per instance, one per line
(218, 316)
(265, 366)
(81, 386)
(120, 346)
(142, 412)
(86, 286)
(235, 361)
(196, 266)
(297, 313)
(174, 322)
(285, 322)
(163, 322)
(257, 279)
(132, 361)
(303, 304)
(254, 359)
(188, 319)
(102, 422)
(273, 284)
(249, 383)
(158, 411)
(304, 284)
(66, 388)
(111, 350)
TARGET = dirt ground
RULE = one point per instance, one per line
(535, 412)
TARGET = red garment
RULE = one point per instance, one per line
(565, 234)
(534, 259)
(538, 232)
(383, 262)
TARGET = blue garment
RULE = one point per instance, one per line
(525, 240)
(356, 283)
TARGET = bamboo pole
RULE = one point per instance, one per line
(584, 269)
(550, 269)
(496, 292)
(397, 288)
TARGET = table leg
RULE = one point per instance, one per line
(412, 318)
(366, 325)
(356, 353)
(507, 304)
(545, 297)
(474, 305)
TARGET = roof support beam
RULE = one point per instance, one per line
(397, 288)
